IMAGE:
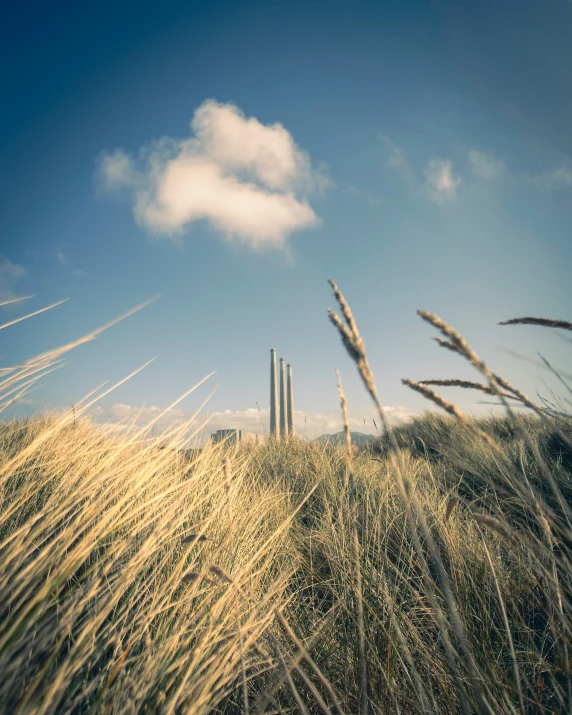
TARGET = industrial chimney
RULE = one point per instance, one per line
(273, 397)
(283, 408)
(291, 430)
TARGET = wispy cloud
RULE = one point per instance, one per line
(371, 198)
(560, 176)
(249, 180)
(484, 165)
(252, 420)
(116, 170)
(64, 260)
(441, 181)
(396, 159)
(10, 275)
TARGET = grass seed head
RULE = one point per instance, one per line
(430, 394)
(451, 504)
(190, 577)
(543, 322)
(222, 574)
(191, 538)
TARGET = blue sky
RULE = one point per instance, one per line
(419, 153)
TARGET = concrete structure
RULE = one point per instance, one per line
(281, 400)
(232, 436)
(283, 408)
(229, 435)
(273, 396)
(290, 405)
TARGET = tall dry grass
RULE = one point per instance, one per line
(428, 573)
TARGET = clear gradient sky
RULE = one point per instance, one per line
(231, 156)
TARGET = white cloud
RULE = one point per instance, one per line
(61, 258)
(10, 275)
(552, 178)
(485, 165)
(251, 420)
(441, 182)
(318, 423)
(249, 180)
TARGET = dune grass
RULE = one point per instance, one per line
(427, 573)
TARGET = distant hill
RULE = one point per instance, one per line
(339, 438)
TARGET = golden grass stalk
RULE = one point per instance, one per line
(294, 661)
(544, 322)
(451, 504)
(191, 538)
(496, 525)
(357, 552)
(447, 345)
(506, 625)
(286, 670)
(467, 384)
(222, 574)
(34, 446)
(356, 349)
(228, 487)
(458, 343)
(191, 577)
(105, 550)
(354, 344)
(496, 382)
(31, 315)
(312, 688)
(88, 337)
(306, 655)
(15, 300)
(430, 394)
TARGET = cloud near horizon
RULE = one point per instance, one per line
(251, 420)
(248, 180)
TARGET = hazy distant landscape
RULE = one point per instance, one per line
(340, 438)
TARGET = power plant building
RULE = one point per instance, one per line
(281, 414)
(232, 436)
(273, 396)
(281, 409)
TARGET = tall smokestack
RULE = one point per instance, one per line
(273, 396)
(283, 410)
(291, 430)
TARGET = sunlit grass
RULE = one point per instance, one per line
(428, 572)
